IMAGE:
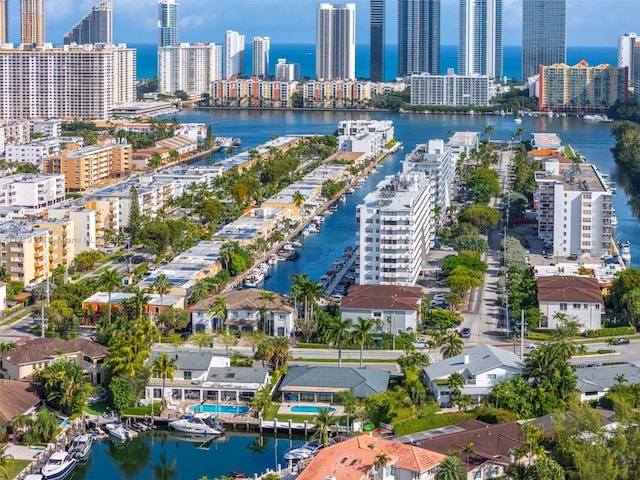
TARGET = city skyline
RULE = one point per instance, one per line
(136, 22)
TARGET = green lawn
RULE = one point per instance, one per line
(428, 421)
(98, 408)
(18, 466)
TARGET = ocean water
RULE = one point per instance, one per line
(305, 56)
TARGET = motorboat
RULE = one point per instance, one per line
(273, 259)
(201, 423)
(254, 278)
(306, 451)
(625, 252)
(517, 120)
(117, 431)
(58, 466)
(81, 446)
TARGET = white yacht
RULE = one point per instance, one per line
(625, 253)
(200, 423)
(306, 451)
(118, 431)
(81, 446)
(58, 466)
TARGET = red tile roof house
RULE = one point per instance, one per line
(21, 362)
(395, 306)
(577, 296)
(494, 447)
(16, 399)
(355, 459)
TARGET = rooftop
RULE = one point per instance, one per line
(479, 359)
(364, 381)
(248, 299)
(548, 140)
(604, 273)
(16, 398)
(592, 379)
(575, 177)
(396, 192)
(569, 288)
(354, 458)
(41, 349)
(383, 297)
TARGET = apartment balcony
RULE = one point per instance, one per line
(50, 248)
(64, 252)
(19, 259)
(16, 250)
(17, 269)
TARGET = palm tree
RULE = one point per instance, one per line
(6, 462)
(322, 422)
(201, 339)
(164, 367)
(162, 286)
(362, 333)
(218, 310)
(469, 451)
(381, 462)
(620, 379)
(267, 298)
(110, 280)
(455, 383)
(229, 338)
(451, 345)
(451, 468)
(489, 131)
(337, 332)
(298, 200)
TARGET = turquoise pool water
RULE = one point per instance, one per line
(309, 409)
(220, 408)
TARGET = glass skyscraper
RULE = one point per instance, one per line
(95, 27)
(167, 23)
(418, 37)
(544, 34)
(336, 41)
(480, 42)
(377, 40)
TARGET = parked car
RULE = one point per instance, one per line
(447, 248)
(439, 297)
(621, 341)
(465, 333)
(532, 346)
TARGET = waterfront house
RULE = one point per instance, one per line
(494, 447)
(578, 297)
(180, 143)
(98, 303)
(395, 307)
(358, 458)
(482, 367)
(17, 398)
(319, 384)
(243, 312)
(21, 362)
(595, 381)
(203, 376)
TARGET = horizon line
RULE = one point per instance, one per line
(386, 45)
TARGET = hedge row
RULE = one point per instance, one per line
(610, 332)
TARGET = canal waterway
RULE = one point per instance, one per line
(159, 455)
(592, 140)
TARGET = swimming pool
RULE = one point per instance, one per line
(219, 408)
(309, 409)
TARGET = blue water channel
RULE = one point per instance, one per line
(593, 140)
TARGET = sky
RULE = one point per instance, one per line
(590, 22)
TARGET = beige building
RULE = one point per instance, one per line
(84, 221)
(23, 361)
(107, 218)
(32, 23)
(84, 82)
(90, 167)
(580, 88)
(254, 92)
(16, 132)
(61, 242)
(22, 251)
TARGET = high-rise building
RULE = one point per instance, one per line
(450, 89)
(32, 22)
(395, 230)
(336, 41)
(480, 41)
(95, 27)
(233, 54)
(287, 72)
(190, 68)
(626, 43)
(168, 23)
(544, 34)
(71, 82)
(261, 46)
(376, 45)
(4, 21)
(418, 37)
(580, 88)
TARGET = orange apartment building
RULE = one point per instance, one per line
(89, 167)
